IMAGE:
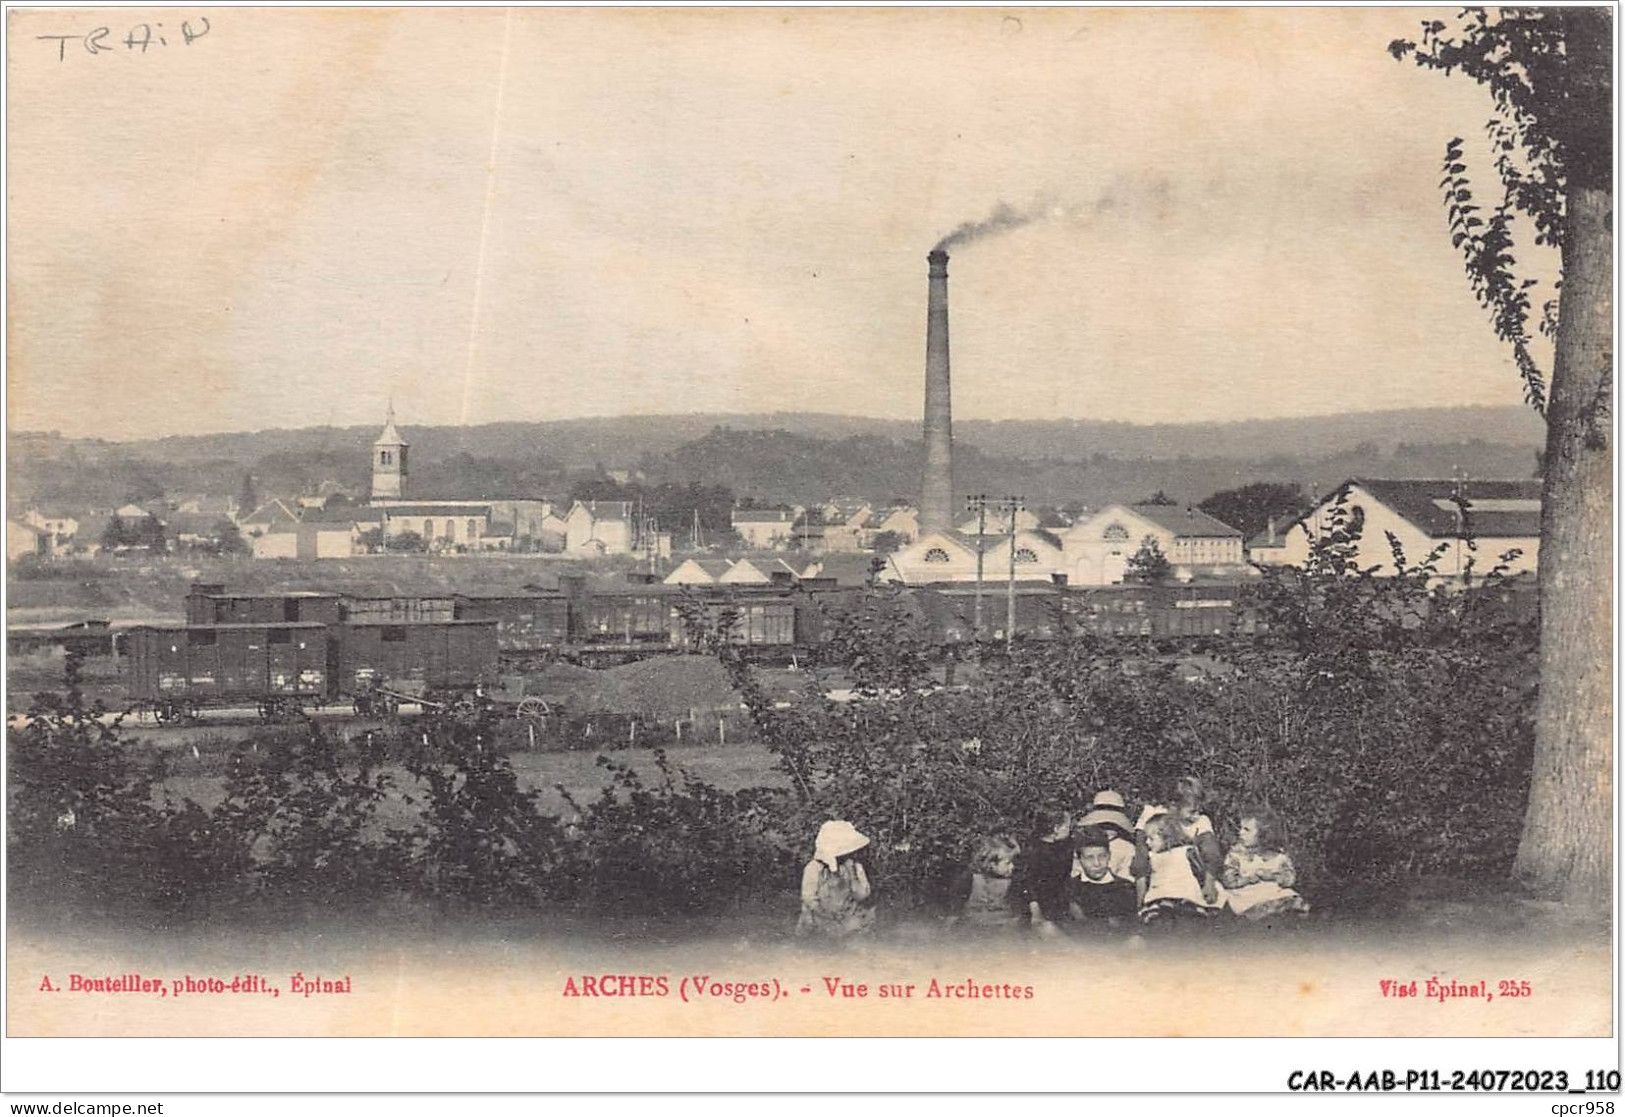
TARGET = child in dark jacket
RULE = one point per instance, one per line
(1044, 873)
(1099, 896)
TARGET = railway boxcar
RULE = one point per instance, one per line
(950, 610)
(1126, 610)
(88, 638)
(1200, 610)
(763, 617)
(415, 657)
(176, 670)
(400, 609)
(766, 623)
(631, 617)
(820, 602)
(527, 623)
(213, 604)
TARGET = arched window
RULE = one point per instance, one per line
(383, 457)
(1026, 554)
(428, 529)
(451, 528)
(936, 554)
(473, 528)
(1115, 532)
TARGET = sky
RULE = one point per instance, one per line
(487, 215)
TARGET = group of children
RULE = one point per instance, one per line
(1096, 869)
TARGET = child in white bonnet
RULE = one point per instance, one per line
(836, 898)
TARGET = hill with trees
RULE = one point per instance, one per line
(790, 457)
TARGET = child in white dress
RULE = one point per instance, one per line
(1258, 874)
(836, 898)
(1175, 886)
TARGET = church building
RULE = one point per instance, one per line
(462, 524)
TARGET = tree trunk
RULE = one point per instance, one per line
(1567, 844)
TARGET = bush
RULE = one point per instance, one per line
(81, 827)
(299, 822)
(481, 839)
(681, 846)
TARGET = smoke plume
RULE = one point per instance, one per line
(1004, 218)
(1139, 198)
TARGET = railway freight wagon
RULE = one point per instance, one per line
(401, 609)
(88, 638)
(413, 658)
(820, 603)
(950, 612)
(634, 617)
(213, 604)
(529, 626)
(763, 619)
(176, 670)
(1200, 611)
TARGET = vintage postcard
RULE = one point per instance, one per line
(795, 522)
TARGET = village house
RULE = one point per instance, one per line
(1098, 547)
(549, 531)
(59, 529)
(1470, 523)
(846, 527)
(205, 504)
(268, 515)
(22, 540)
(599, 527)
(902, 520)
(318, 539)
(764, 529)
(836, 526)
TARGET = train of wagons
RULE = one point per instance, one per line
(281, 652)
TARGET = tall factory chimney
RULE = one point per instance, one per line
(937, 487)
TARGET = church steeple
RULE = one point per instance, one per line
(389, 461)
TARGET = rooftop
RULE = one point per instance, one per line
(1490, 509)
(1185, 520)
(431, 508)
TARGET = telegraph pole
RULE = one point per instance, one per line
(978, 504)
(1013, 505)
(1009, 506)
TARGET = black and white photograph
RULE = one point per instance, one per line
(815, 522)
